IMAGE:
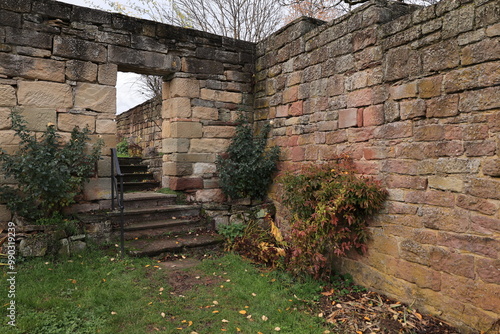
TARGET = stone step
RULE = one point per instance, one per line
(159, 228)
(138, 177)
(143, 200)
(157, 246)
(141, 185)
(132, 215)
(134, 169)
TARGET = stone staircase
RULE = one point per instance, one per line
(154, 223)
(136, 175)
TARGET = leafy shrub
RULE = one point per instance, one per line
(231, 231)
(330, 207)
(49, 173)
(122, 148)
(246, 169)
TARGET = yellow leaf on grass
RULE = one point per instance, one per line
(215, 311)
(243, 312)
(359, 332)
(190, 323)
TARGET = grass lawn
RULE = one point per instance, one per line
(97, 293)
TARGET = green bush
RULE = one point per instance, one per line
(330, 207)
(49, 173)
(122, 148)
(246, 169)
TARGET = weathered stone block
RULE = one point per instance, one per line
(202, 168)
(413, 251)
(348, 118)
(202, 66)
(179, 107)
(183, 129)
(45, 94)
(205, 113)
(105, 126)
(74, 48)
(221, 96)
(359, 98)
(442, 259)
(446, 183)
(81, 70)
(412, 109)
(38, 118)
(403, 91)
(95, 97)
(5, 122)
(491, 167)
(34, 246)
(480, 148)
(477, 204)
(208, 145)
(430, 86)
(183, 87)
(373, 115)
(210, 196)
(7, 96)
(442, 106)
(218, 131)
(175, 145)
(487, 49)
(485, 188)
(483, 99)
(185, 183)
(151, 62)
(440, 56)
(488, 270)
(31, 68)
(97, 188)
(104, 167)
(400, 63)
(107, 74)
(67, 121)
(394, 130)
(482, 75)
(177, 169)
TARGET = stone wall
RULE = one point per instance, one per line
(413, 96)
(142, 125)
(58, 64)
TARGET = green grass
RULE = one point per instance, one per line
(96, 293)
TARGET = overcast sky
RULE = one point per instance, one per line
(126, 94)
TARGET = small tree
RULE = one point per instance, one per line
(246, 169)
(49, 173)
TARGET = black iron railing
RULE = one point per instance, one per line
(117, 193)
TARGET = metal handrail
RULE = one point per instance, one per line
(117, 191)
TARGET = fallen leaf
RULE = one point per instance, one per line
(253, 294)
(162, 314)
(161, 289)
(243, 312)
(215, 302)
(277, 329)
(224, 320)
(113, 313)
(215, 311)
(328, 293)
(264, 318)
(190, 323)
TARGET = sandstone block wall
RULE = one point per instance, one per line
(413, 96)
(142, 125)
(58, 64)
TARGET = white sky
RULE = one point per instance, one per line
(126, 94)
